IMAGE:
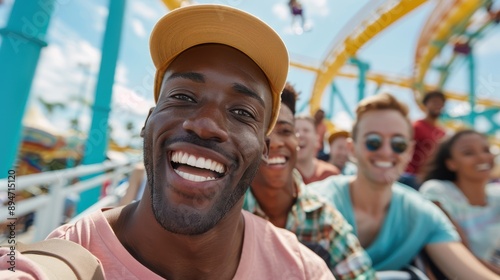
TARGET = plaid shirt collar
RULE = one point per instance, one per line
(305, 203)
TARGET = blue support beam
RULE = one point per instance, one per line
(23, 39)
(97, 141)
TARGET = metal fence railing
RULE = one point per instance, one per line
(49, 207)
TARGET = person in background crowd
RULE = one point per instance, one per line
(393, 222)
(458, 182)
(278, 194)
(311, 168)
(319, 123)
(339, 153)
(426, 135)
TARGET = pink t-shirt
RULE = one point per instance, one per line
(268, 252)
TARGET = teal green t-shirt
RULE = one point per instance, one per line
(411, 222)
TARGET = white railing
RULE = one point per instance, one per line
(49, 207)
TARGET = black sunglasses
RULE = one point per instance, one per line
(374, 142)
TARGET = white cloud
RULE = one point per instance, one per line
(125, 99)
(143, 10)
(489, 45)
(121, 75)
(316, 7)
(281, 11)
(343, 120)
(100, 16)
(138, 28)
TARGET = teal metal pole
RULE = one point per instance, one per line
(97, 141)
(472, 91)
(363, 68)
(23, 38)
(335, 91)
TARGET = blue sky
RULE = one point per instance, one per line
(68, 66)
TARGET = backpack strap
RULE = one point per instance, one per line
(63, 259)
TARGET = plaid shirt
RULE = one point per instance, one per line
(314, 221)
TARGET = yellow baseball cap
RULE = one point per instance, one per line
(194, 25)
(336, 134)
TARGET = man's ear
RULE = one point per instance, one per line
(265, 151)
(147, 118)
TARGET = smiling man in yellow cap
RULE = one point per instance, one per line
(219, 75)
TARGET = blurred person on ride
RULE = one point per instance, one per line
(393, 222)
(339, 153)
(321, 129)
(278, 194)
(311, 168)
(426, 136)
(458, 182)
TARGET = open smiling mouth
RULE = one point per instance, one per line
(384, 164)
(276, 160)
(196, 169)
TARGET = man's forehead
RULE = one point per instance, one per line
(384, 121)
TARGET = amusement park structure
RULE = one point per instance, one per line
(451, 23)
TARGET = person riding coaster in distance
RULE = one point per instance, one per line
(393, 222)
(219, 75)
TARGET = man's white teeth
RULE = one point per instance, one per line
(276, 160)
(483, 166)
(185, 158)
(194, 178)
(383, 164)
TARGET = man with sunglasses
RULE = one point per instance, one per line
(392, 221)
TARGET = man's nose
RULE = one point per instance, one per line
(208, 123)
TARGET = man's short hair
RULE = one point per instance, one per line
(432, 94)
(380, 102)
(289, 97)
(199, 24)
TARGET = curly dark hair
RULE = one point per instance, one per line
(436, 167)
(289, 97)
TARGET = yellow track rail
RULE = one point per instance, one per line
(348, 48)
(458, 14)
(400, 81)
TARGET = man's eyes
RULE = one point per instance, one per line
(242, 112)
(183, 97)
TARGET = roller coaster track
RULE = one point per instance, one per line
(449, 18)
(385, 15)
(405, 82)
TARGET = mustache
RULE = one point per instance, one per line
(194, 139)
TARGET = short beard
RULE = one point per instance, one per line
(189, 220)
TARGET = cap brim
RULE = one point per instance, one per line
(194, 25)
(337, 134)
